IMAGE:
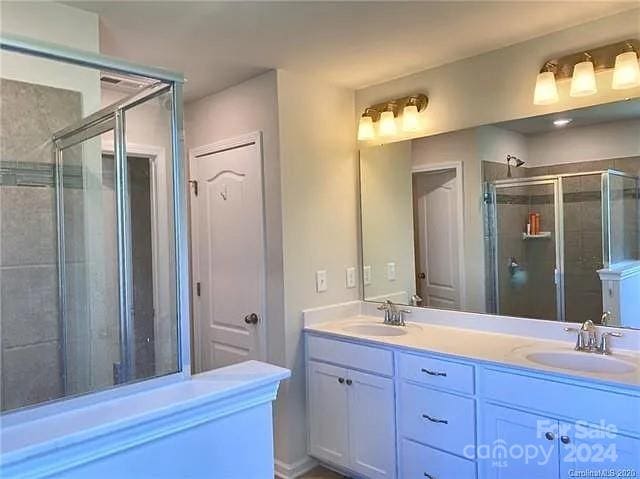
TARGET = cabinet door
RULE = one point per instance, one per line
(328, 433)
(586, 452)
(517, 445)
(372, 445)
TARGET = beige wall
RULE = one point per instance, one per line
(318, 160)
(498, 85)
(603, 141)
(387, 220)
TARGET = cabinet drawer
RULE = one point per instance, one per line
(418, 461)
(436, 418)
(436, 372)
(354, 356)
(557, 398)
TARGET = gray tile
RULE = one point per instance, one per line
(29, 305)
(30, 375)
(27, 226)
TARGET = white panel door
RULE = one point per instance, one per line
(328, 413)
(371, 425)
(436, 198)
(230, 254)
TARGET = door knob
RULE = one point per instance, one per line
(422, 276)
(251, 318)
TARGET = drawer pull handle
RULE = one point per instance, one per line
(433, 373)
(434, 419)
(429, 476)
(565, 439)
(549, 436)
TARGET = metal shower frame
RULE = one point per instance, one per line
(112, 117)
(559, 224)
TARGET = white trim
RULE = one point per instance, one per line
(458, 166)
(620, 271)
(291, 471)
(158, 176)
(212, 148)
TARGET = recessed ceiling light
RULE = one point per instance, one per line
(562, 121)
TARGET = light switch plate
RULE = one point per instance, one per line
(351, 277)
(321, 281)
(391, 271)
(366, 275)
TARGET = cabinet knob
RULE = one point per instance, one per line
(549, 436)
(565, 439)
(341, 380)
(251, 318)
(349, 382)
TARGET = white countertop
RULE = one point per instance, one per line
(503, 349)
(34, 436)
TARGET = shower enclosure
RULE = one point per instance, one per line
(587, 221)
(94, 259)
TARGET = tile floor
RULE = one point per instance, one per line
(322, 473)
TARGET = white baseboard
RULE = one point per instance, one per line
(291, 471)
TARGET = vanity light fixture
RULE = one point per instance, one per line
(385, 114)
(626, 73)
(582, 67)
(546, 92)
(365, 126)
(583, 81)
(387, 125)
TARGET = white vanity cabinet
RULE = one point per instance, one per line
(440, 417)
(351, 412)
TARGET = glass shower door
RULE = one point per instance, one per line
(527, 258)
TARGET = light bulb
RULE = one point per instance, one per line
(546, 91)
(387, 124)
(365, 128)
(410, 118)
(583, 81)
(626, 73)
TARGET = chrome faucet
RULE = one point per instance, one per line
(392, 314)
(590, 344)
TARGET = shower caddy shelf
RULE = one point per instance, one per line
(542, 234)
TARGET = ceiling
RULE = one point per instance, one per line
(608, 112)
(355, 44)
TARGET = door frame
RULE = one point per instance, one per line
(558, 208)
(459, 169)
(197, 323)
(158, 176)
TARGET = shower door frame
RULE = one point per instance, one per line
(180, 224)
(108, 119)
(558, 279)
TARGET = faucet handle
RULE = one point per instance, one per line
(603, 347)
(580, 341)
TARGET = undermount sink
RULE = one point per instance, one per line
(375, 329)
(581, 361)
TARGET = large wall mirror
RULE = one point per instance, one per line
(534, 218)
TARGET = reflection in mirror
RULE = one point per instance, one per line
(536, 218)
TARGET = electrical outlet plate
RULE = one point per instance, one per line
(321, 281)
(391, 271)
(351, 277)
(366, 275)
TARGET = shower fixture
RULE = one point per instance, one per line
(517, 161)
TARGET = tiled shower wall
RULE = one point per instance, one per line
(31, 347)
(583, 233)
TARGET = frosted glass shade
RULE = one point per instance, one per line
(626, 73)
(546, 91)
(387, 124)
(410, 118)
(583, 81)
(365, 128)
